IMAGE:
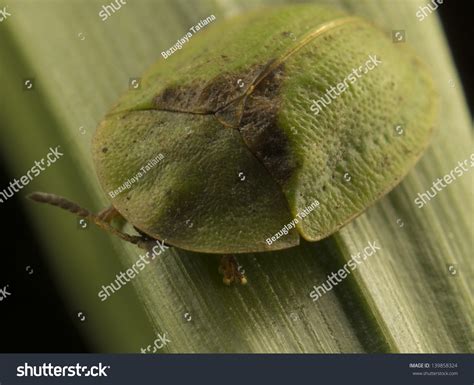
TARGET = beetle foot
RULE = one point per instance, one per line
(229, 268)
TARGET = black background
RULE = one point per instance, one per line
(36, 318)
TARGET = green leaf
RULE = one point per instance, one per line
(404, 298)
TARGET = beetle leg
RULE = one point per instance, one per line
(229, 268)
(74, 208)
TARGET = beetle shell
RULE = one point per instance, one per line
(244, 152)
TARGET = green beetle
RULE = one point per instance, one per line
(279, 124)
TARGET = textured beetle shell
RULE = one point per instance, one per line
(243, 154)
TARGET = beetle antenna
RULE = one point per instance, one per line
(65, 204)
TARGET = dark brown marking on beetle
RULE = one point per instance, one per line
(230, 115)
(251, 109)
(207, 97)
(260, 131)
